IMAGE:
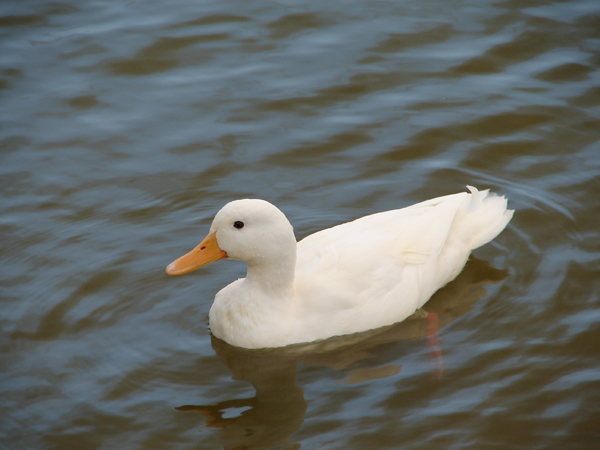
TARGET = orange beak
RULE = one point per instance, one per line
(206, 252)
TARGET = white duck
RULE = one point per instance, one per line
(361, 275)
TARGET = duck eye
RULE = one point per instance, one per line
(238, 224)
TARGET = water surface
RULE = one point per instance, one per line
(127, 125)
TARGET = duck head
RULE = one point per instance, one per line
(249, 230)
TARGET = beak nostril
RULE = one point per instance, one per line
(202, 248)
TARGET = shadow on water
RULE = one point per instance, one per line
(278, 407)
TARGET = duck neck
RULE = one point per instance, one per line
(274, 278)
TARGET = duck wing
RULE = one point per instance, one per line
(379, 269)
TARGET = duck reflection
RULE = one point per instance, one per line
(277, 410)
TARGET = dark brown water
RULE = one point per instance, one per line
(126, 125)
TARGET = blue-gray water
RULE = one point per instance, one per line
(124, 127)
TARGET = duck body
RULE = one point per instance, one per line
(361, 275)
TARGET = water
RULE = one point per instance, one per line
(127, 125)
